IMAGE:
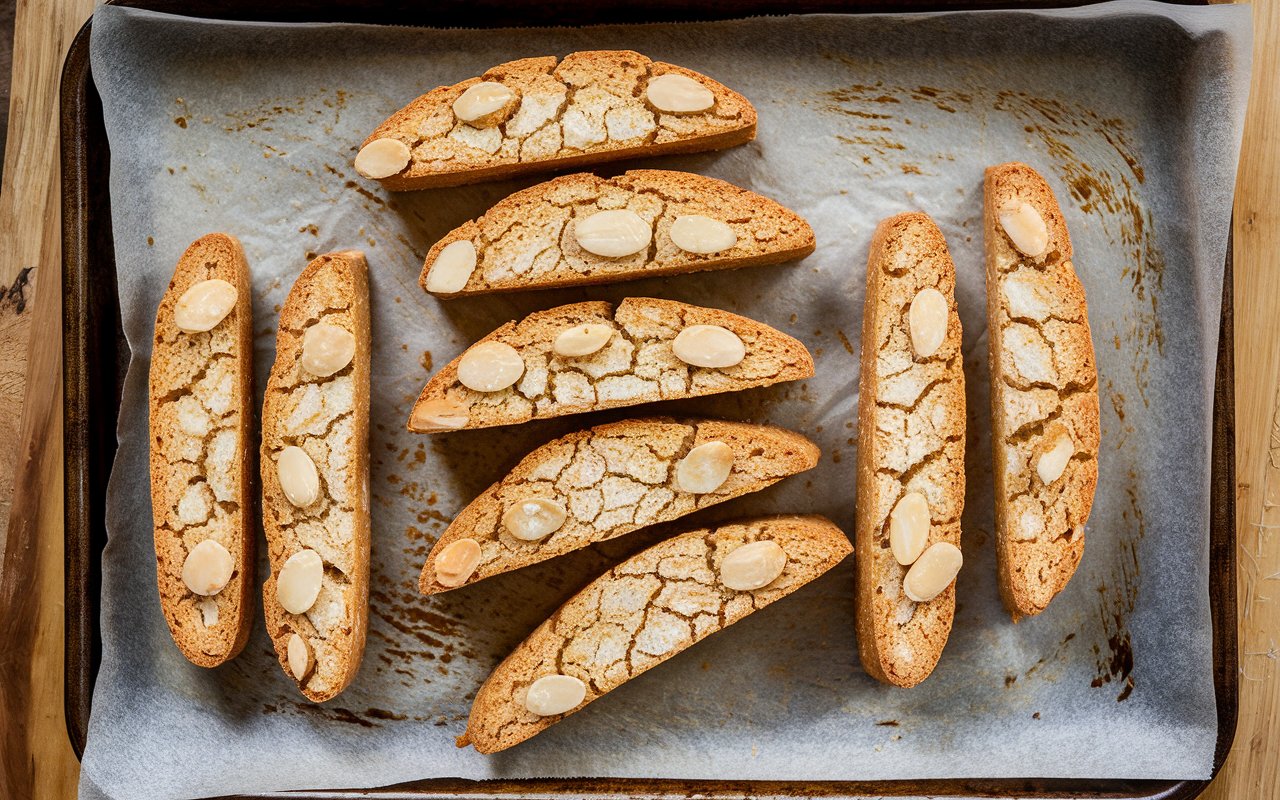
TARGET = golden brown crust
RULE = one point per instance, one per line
(1043, 381)
(636, 366)
(613, 479)
(329, 419)
(911, 425)
(201, 417)
(526, 241)
(584, 109)
(641, 613)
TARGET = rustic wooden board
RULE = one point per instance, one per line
(35, 757)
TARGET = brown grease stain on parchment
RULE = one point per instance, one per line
(1095, 156)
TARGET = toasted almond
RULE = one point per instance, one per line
(438, 414)
(753, 566)
(554, 694)
(1055, 454)
(705, 468)
(909, 525)
(299, 478)
(298, 584)
(490, 367)
(695, 233)
(582, 340)
(208, 568)
(300, 660)
(456, 562)
(452, 268)
(327, 348)
(927, 320)
(678, 94)
(1025, 228)
(613, 234)
(482, 104)
(382, 158)
(204, 305)
(534, 518)
(932, 572)
(709, 346)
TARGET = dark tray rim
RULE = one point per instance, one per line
(92, 364)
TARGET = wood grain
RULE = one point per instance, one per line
(1253, 765)
(37, 760)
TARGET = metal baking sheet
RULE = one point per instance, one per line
(856, 105)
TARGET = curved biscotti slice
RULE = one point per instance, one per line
(521, 377)
(315, 476)
(548, 113)
(1044, 390)
(911, 424)
(644, 611)
(605, 481)
(667, 222)
(201, 387)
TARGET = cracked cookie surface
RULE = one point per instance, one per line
(1044, 385)
(636, 365)
(527, 240)
(586, 108)
(911, 428)
(201, 387)
(613, 479)
(642, 612)
(328, 417)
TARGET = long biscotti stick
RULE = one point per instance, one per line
(641, 613)
(315, 476)
(201, 385)
(603, 482)
(1044, 390)
(590, 356)
(581, 229)
(911, 423)
(547, 113)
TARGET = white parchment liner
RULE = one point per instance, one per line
(1132, 111)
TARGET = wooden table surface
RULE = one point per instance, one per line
(36, 759)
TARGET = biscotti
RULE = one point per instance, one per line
(603, 482)
(591, 356)
(201, 387)
(547, 113)
(1044, 390)
(315, 476)
(911, 426)
(582, 229)
(644, 611)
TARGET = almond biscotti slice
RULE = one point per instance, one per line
(548, 113)
(911, 424)
(315, 476)
(1044, 390)
(583, 229)
(201, 387)
(591, 356)
(641, 613)
(605, 481)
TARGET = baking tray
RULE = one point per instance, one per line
(95, 358)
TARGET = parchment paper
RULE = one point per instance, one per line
(1132, 111)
